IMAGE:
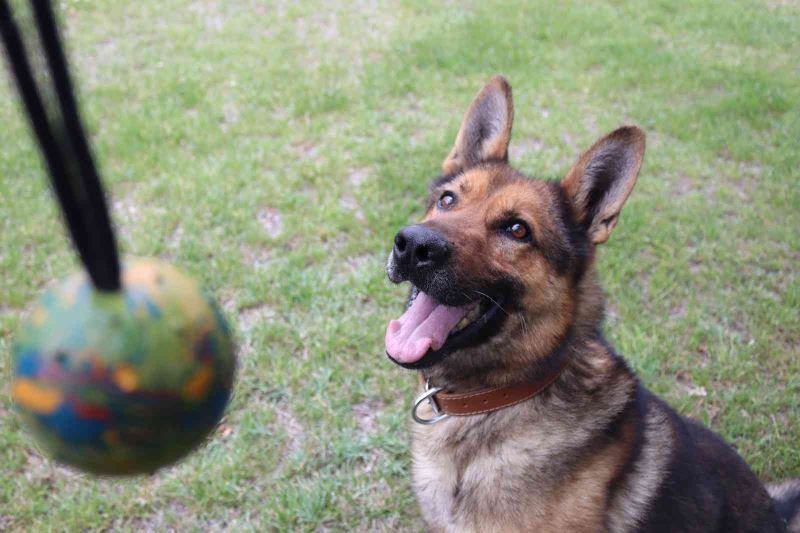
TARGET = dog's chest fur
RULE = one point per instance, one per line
(488, 488)
(521, 468)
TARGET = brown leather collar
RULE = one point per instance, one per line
(487, 400)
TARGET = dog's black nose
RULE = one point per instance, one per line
(419, 246)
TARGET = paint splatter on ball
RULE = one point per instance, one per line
(128, 382)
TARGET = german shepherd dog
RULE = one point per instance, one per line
(504, 292)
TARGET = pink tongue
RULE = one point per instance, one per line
(423, 326)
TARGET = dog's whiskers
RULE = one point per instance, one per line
(491, 300)
(522, 317)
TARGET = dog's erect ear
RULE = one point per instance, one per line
(600, 182)
(485, 130)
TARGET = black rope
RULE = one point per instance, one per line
(65, 147)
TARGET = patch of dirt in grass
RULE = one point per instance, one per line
(227, 299)
(349, 202)
(366, 413)
(712, 408)
(250, 316)
(695, 266)
(678, 310)
(230, 115)
(4, 412)
(224, 430)
(683, 185)
(736, 329)
(731, 216)
(246, 347)
(690, 388)
(387, 524)
(211, 16)
(646, 257)
(258, 258)
(774, 5)
(295, 434)
(744, 181)
(522, 148)
(590, 121)
(612, 313)
(173, 242)
(569, 140)
(125, 211)
(323, 22)
(305, 151)
(310, 193)
(375, 457)
(41, 470)
(93, 63)
(157, 520)
(702, 355)
(271, 220)
(353, 181)
(348, 31)
(357, 177)
(743, 176)
(703, 401)
(354, 265)
(745, 188)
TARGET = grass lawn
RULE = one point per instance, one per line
(273, 149)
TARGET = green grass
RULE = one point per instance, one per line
(272, 150)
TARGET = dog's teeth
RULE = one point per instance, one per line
(468, 319)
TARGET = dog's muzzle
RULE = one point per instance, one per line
(418, 251)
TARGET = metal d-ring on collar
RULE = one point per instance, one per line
(427, 394)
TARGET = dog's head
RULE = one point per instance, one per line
(499, 261)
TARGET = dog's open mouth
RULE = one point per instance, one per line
(429, 326)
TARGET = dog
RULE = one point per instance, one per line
(528, 419)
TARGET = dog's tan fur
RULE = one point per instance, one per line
(464, 466)
(595, 451)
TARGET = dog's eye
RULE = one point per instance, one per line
(518, 230)
(446, 200)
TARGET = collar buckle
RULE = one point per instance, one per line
(428, 394)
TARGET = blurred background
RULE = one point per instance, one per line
(272, 149)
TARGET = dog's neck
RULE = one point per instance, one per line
(545, 339)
